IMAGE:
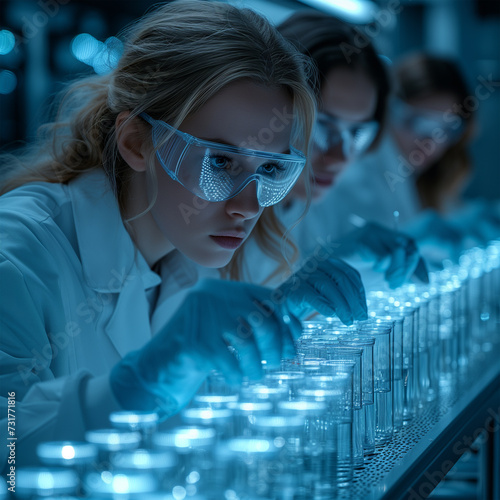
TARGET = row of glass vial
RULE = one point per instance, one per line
(302, 430)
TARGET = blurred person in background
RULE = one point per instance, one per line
(352, 89)
(416, 178)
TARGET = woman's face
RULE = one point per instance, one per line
(424, 128)
(243, 114)
(348, 98)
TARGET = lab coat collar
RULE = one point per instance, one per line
(178, 274)
(108, 255)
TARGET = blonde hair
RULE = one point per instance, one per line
(175, 59)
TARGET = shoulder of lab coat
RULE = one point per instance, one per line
(73, 290)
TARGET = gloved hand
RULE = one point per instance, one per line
(439, 238)
(166, 373)
(393, 253)
(479, 219)
(326, 285)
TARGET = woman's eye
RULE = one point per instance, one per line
(220, 162)
(272, 168)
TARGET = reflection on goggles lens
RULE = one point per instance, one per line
(222, 176)
(426, 123)
(355, 138)
(217, 172)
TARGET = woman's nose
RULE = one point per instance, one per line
(245, 204)
(334, 155)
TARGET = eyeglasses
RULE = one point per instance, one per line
(355, 137)
(217, 172)
(425, 123)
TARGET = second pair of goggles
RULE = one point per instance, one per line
(217, 172)
(355, 137)
(426, 122)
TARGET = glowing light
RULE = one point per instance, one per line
(8, 82)
(246, 407)
(133, 420)
(100, 63)
(193, 477)
(251, 445)
(107, 477)
(68, 452)
(279, 442)
(46, 481)
(103, 57)
(114, 46)
(7, 42)
(191, 490)
(356, 11)
(142, 458)
(185, 437)
(85, 47)
(216, 398)
(120, 483)
(114, 439)
(178, 492)
(182, 442)
(206, 414)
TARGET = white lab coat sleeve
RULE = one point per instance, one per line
(46, 408)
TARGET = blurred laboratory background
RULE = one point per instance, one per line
(45, 43)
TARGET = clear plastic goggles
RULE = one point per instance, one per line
(425, 123)
(217, 172)
(355, 137)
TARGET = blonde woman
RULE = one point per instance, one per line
(142, 172)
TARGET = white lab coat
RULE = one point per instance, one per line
(75, 297)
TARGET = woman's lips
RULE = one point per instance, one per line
(229, 242)
(323, 180)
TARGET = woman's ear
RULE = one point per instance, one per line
(130, 141)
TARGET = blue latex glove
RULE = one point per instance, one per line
(326, 285)
(439, 238)
(479, 219)
(216, 317)
(393, 253)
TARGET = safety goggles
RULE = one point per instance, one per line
(425, 123)
(355, 137)
(217, 172)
